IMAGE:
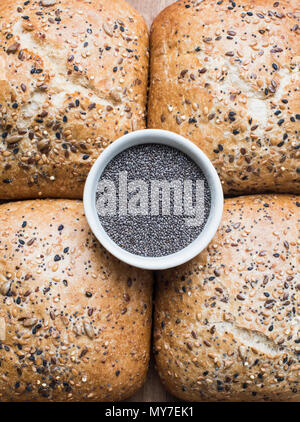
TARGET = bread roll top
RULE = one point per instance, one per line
(74, 321)
(227, 322)
(73, 77)
(226, 76)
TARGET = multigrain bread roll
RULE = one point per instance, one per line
(227, 76)
(73, 78)
(74, 322)
(227, 323)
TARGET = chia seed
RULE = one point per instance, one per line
(153, 235)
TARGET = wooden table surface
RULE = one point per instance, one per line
(150, 8)
(153, 391)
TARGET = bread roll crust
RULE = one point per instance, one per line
(73, 78)
(227, 322)
(75, 322)
(228, 78)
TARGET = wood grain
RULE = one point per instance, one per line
(153, 390)
(150, 8)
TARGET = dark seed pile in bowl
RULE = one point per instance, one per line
(152, 235)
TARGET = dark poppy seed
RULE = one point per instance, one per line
(149, 234)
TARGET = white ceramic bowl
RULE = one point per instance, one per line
(171, 139)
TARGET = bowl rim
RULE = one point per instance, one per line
(155, 136)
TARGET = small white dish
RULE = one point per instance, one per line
(155, 136)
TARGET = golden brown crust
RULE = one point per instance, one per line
(228, 78)
(73, 78)
(227, 323)
(74, 322)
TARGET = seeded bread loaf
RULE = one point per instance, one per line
(73, 77)
(74, 322)
(227, 76)
(227, 323)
